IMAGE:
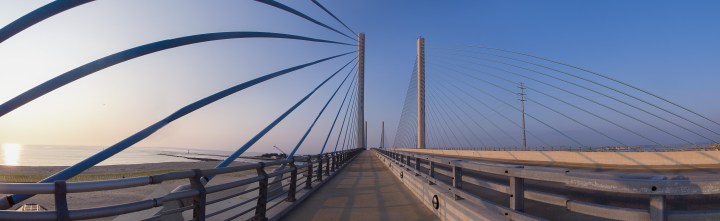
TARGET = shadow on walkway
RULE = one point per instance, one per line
(364, 190)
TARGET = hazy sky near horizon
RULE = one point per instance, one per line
(667, 47)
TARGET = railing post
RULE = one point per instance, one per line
(517, 194)
(261, 208)
(293, 181)
(431, 170)
(457, 179)
(417, 166)
(320, 168)
(657, 208)
(334, 161)
(327, 164)
(61, 206)
(308, 180)
(200, 199)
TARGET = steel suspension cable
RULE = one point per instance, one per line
(349, 109)
(585, 98)
(605, 77)
(307, 132)
(564, 90)
(499, 114)
(296, 12)
(349, 127)
(602, 94)
(402, 124)
(446, 97)
(445, 111)
(38, 15)
(436, 111)
(93, 160)
(342, 104)
(616, 90)
(132, 53)
(331, 14)
(527, 114)
(568, 117)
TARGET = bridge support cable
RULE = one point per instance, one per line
(446, 108)
(502, 115)
(269, 127)
(300, 14)
(435, 129)
(408, 115)
(38, 15)
(436, 140)
(93, 160)
(342, 104)
(441, 92)
(599, 75)
(439, 105)
(569, 117)
(566, 91)
(348, 109)
(349, 126)
(441, 127)
(517, 109)
(331, 14)
(132, 53)
(350, 135)
(446, 128)
(307, 132)
(591, 90)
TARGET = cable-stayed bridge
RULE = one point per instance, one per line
(484, 134)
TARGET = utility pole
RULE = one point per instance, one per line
(361, 91)
(421, 93)
(522, 103)
(382, 136)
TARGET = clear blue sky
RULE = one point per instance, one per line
(667, 47)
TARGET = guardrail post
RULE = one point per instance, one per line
(308, 180)
(327, 164)
(657, 208)
(417, 166)
(293, 181)
(431, 170)
(320, 167)
(457, 179)
(334, 161)
(517, 194)
(200, 199)
(61, 206)
(261, 208)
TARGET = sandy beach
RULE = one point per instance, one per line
(113, 197)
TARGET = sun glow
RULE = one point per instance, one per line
(11, 154)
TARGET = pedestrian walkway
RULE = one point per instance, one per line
(364, 190)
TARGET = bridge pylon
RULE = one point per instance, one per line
(421, 93)
(361, 92)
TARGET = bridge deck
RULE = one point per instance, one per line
(365, 190)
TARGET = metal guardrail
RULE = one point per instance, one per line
(587, 149)
(312, 168)
(558, 187)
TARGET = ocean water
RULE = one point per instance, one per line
(50, 155)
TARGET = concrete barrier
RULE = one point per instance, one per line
(624, 160)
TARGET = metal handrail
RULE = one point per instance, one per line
(195, 192)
